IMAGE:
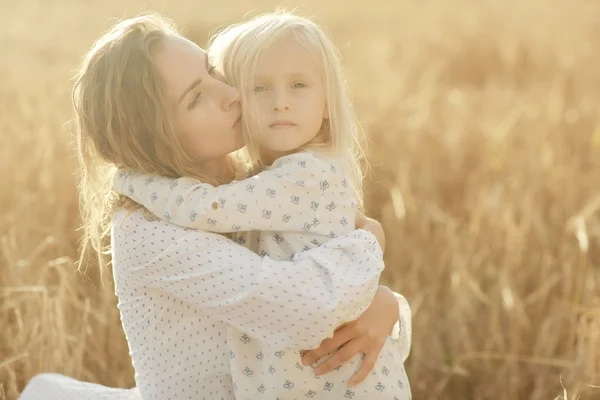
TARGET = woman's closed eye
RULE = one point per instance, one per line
(196, 96)
(195, 100)
(259, 88)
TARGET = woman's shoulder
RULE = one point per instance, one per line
(129, 220)
(139, 239)
(135, 225)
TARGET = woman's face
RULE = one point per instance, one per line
(207, 111)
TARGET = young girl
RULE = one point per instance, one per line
(302, 134)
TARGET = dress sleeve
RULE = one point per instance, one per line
(292, 304)
(402, 332)
(286, 197)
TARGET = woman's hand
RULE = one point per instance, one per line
(371, 225)
(365, 335)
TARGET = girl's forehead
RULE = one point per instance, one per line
(290, 44)
(288, 55)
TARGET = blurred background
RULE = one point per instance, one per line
(483, 120)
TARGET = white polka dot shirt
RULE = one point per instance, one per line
(301, 202)
(180, 290)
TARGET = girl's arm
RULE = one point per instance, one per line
(286, 197)
(290, 304)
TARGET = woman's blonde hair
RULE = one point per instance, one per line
(123, 120)
(236, 51)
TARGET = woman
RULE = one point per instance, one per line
(146, 100)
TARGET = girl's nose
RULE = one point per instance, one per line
(280, 102)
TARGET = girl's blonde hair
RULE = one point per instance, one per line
(123, 120)
(236, 51)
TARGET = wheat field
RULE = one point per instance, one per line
(483, 120)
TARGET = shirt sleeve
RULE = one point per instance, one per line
(402, 331)
(291, 304)
(286, 197)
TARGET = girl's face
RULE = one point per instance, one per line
(288, 99)
(206, 110)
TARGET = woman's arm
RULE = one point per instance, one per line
(286, 197)
(371, 225)
(388, 315)
(403, 328)
(291, 304)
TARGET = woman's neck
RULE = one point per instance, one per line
(221, 169)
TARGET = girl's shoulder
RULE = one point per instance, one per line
(317, 160)
(313, 169)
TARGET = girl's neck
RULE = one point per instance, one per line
(268, 157)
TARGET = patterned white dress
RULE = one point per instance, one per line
(303, 201)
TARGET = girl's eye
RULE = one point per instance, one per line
(259, 89)
(195, 100)
(299, 85)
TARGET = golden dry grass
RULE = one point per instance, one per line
(484, 122)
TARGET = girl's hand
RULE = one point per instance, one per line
(371, 225)
(365, 335)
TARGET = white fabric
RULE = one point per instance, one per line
(300, 203)
(59, 387)
(183, 293)
(180, 289)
